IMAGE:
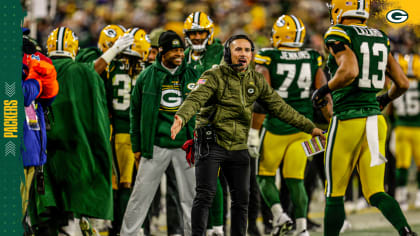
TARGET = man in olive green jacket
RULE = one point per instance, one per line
(225, 95)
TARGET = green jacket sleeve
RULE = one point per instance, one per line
(206, 86)
(276, 106)
(135, 113)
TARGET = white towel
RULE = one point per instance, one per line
(376, 157)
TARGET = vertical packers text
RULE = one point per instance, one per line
(10, 124)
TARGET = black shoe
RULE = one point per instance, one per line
(408, 232)
(253, 229)
(312, 225)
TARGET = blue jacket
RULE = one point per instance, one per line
(35, 141)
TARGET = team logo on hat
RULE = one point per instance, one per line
(175, 43)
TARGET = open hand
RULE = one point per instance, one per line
(176, 127)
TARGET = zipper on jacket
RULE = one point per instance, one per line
(241, 95)
(242, 92)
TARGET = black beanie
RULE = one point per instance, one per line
(169, 40)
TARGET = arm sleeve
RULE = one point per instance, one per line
(335, 33)
(31, 90)
(205, 88)
(135, 116)
(277, 107)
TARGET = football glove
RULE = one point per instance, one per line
(383, 100)
(254, 143)
(122, 43)
(318, 97)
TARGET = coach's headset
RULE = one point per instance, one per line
(226, 52)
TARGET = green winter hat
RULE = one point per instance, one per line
(154, 37)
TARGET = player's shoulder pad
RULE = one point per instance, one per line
(336, 33)
(314, 54)
(263, 57)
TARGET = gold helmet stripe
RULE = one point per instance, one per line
(299, 29)
(60, 38)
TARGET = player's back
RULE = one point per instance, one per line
(292, 75)
(371, 48)
(119, 94)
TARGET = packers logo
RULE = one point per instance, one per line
(397, 16)
(191, 86)
(175, 43)
(251, 90)
(110, 33)
(171, 98)
(280, 22)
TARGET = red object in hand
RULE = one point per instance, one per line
(45, 73)
(188, 147)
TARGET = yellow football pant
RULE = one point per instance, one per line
(283, 148)
(347, 148)
(125, 159)
(407, 145)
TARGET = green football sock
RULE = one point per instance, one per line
(298, 196)
(217, 206)
(123, 197)
(390, 209)
(401, 175)
(334, 216)
(268, 189)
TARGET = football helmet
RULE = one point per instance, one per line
(199, 21)
(109, 35)
(288, 31)
(62, 42)
(340, 9)
(141, 45)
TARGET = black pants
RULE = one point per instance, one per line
(254, 195)
(235, 166)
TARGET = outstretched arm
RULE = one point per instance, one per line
(205, 88)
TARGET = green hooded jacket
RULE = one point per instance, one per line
(79, 152)
(145, 104)
(226, 97)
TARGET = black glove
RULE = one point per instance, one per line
(318, 97)
(383, 100)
